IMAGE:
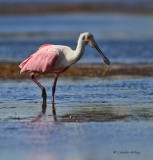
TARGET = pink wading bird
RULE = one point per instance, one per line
(57, 59)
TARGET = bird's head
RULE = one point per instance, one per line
(88, 38)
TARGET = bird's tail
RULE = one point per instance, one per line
(23, 64)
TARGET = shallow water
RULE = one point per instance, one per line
(97, 118)
(85, 99)
(122, 104)
(63, 141)
(140, 51)
(123, 38)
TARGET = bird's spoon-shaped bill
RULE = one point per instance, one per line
(106, 60)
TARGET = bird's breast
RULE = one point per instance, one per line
(65, 58)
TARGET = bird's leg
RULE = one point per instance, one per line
(54, 88)
(42, 88)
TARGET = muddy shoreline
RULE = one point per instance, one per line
(11, 70)
(52, 8)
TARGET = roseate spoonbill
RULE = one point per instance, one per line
(57, 59)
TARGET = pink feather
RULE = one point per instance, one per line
(42, 60)
(44, 45)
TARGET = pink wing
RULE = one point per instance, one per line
(41, 61)
(44, 45)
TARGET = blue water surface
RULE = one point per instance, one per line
(123, 38)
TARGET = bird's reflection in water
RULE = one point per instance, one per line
(44, 106)
(43, 113)
(40, 114)
(54, 112)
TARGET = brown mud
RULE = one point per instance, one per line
(11, 70)
(49, 8)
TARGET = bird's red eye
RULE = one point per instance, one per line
(89, 37)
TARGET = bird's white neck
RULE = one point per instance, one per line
(78, 53)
